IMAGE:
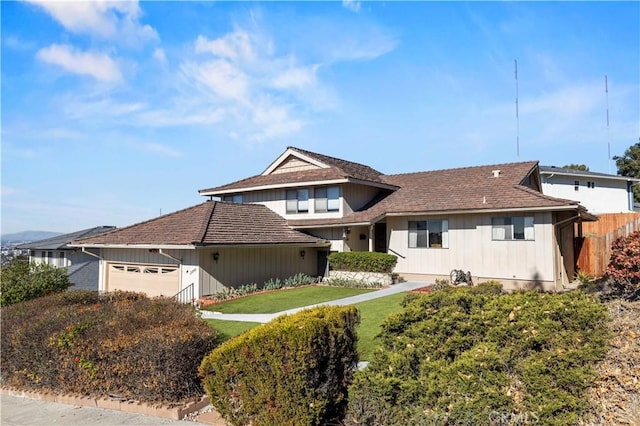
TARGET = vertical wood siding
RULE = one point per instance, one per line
(471, 248)
(239, 266)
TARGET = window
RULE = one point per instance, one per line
(298, 201)
(512, 228)
(429, 234)
(576, 185)
(591, 184)
(235, 198)
(327, 199)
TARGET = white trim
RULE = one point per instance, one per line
(549, 174)
(206, 192)
(139, 246)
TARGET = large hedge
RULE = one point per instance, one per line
(121, 344)
(21, 281)
(470, 356)
(294, 370)
(362, 261)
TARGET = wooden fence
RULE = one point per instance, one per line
(594, 249)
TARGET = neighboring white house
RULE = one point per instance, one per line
(598, 192)
(82, 268)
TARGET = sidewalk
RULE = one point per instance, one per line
(16, 411)
(265, 318)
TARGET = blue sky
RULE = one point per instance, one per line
(113, 112)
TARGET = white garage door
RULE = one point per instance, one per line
(154, 280)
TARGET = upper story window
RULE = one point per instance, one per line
(591, 184)
(429, 234)
(298, 201)
(327, 199)
(576, 185)
(235, 198)
(512, 228)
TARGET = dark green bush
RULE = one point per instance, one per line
(22, 281)
(471, 355)
(292, 371)
(362, 261)
(120, 344)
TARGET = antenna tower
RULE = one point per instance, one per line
(606, 91)
(517, 115)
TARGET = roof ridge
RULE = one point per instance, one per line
(207, 221)
(320, 156)
(464, 168)
(144, 221)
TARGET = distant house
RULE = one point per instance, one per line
(82, 268)
(491, 220)
(598, 192)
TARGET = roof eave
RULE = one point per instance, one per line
(207, 192)
(137, 246)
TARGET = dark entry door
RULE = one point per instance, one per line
(380, 237)
(323, 264)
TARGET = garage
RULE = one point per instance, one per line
(154, 280)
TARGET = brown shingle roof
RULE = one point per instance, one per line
(338, 169)
(209, 223)
(349, 168)
(463, 189)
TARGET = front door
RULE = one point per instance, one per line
(323, 264)
(380, 237)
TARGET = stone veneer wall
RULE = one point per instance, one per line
(368, 277)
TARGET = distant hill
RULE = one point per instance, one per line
(28, 236)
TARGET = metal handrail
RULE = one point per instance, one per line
(185, 295)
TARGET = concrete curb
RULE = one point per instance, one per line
(128, 406)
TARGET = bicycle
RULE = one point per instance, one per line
(459, 277)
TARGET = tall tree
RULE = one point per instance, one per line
(629, 165)
(582, 167)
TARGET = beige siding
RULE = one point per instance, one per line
(471, 248)
(357, 196)
(239, 266)
(352, 198)
(294, 164)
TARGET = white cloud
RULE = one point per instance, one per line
(236, 46)
(159, 55)
(113, 20)
(97, 65)
(161, 149)
(7, 190)
(296, 77)
(351, 5)
(223, 78)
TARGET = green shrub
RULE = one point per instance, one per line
(470, 356)
(292, 371)
(21, 281)
(347, 283)
(362, 261)
(623, 270)
(120, 344)
(229, 293)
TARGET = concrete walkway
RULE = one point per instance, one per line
(264, 318)
(16, 411)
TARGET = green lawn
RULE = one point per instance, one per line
(372, 313)
(281, 300)
(228, 329)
